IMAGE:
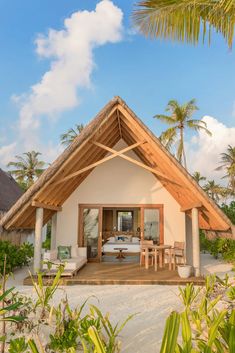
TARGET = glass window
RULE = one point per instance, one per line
(151, 224)
(124, 221)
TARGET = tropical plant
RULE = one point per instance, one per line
(179, 120)
(186, 20)
(214, 190)
(45, 293)
(16, 255)
(68, 137)
(203, 326)
(27, 168)
(228, 165)
(198, 177)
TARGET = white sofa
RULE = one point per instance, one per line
(74, 264)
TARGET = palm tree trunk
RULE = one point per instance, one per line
(182, 142)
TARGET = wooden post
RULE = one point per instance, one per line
(53, 231)
(196, 242)
(38, 240)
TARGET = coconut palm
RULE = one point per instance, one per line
(228, 165)
(186, 20)
(27, 168)
(179, 120)
(198, 177)
(214, 190)
(68, 137)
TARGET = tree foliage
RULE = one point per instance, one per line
(27, 168)
(186, 20)
(227, 164)
(67, 138)
(180, 119)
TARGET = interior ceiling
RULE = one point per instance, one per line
(116, 127)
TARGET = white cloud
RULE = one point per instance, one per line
(7, 152)
(70, 52)
(204, 151)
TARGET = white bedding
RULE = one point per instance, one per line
(131, 247)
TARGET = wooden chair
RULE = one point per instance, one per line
(179, 252)
(142, 252)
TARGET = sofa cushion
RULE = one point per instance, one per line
(74, 263)
(70, 264)
(50, 255)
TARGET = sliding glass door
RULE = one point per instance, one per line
(90, 221)
(152, 223)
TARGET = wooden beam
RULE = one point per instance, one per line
(44, 205)
(134, 161)
(190, 207)
(119, 124)
(101, 161)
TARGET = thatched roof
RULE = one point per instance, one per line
(10, 191)
(114, 122)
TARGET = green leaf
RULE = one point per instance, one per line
(93, 334)
(33, 346)
(169, 342)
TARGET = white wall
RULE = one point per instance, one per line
(120, 182)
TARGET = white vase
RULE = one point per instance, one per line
(184, 271)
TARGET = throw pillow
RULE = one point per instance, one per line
(64, 252)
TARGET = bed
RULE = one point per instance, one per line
(129, 244)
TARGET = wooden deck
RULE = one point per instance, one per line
(106, 273)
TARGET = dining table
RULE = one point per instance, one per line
(157, 249)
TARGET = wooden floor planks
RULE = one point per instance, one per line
(106, 273)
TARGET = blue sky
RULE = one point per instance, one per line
(146, 73)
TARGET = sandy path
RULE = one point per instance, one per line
(152, 303)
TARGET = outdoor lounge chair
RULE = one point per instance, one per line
(72, 266)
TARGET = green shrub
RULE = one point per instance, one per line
(204, 242)
(17, 255)
(218, 247)
(229, 210)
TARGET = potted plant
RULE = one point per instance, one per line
(184, 271)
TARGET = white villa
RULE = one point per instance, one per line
(117, 180)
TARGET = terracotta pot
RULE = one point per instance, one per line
(184, 271)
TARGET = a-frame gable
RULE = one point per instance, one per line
(91, 148)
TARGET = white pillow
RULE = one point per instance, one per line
(111, 240)
(135, 239)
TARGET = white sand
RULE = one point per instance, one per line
(153, 303)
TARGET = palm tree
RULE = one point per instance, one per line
(228, 164)
(68, 137)
(198, 177)
(180, 119)
(215, 191)
(27, 168)
(186, 20)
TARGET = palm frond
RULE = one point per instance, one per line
(198, 126)
(168, 137)
(186, 20)
(165, 119)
